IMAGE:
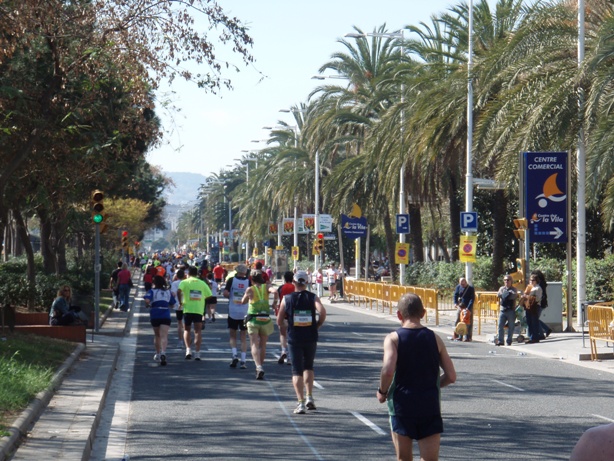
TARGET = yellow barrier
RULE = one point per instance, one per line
(388, 295)
(487, 305)
(600, 325)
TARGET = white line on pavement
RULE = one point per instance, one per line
(296, 428)
(604, 418)
(508, 385)
(368, 423)
(317, 384)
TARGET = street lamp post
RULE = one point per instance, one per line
(469, 175)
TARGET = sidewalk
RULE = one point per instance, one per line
(61, 422)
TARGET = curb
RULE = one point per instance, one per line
(20, 427)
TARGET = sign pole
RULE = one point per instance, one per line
(97, 279)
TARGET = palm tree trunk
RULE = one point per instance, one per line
(415, 224)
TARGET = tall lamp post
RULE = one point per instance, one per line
(469, 175)
(402, 208)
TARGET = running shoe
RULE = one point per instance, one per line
(156, 357)
(243, 366)
(234, 362)
(188, 354)
(259, 373)
(282, 358)
(163, 360)
(300, 409)
(310, 403)
(197, 355)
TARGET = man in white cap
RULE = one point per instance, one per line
(236, 286)
(300, 309)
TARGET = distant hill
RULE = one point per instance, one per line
(186, 187)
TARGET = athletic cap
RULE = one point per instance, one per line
(301, 277)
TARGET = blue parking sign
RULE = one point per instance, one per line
(469, 221)
(402, 223)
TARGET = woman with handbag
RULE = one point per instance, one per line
(531, 300)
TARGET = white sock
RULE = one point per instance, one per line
(243, 356)
(234, 351)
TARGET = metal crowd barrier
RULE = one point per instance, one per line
(387, 294)
(487, 305)
(600, 319)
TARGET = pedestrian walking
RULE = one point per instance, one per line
(410, 382)
(124, 281)
(304, 314)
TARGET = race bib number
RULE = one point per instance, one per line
(303, 319)
(196, 295)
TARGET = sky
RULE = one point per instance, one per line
(292, 40)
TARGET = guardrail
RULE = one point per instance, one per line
(600, 325)
(387, 294)
(486, 307)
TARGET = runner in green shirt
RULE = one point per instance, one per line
(192, 293)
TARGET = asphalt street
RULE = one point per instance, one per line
(505, 405)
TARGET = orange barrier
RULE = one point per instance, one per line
(600, 325)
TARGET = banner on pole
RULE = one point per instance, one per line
(288, 226)
(295, 253)
(401, 254)
(272, 228)
(467, 248)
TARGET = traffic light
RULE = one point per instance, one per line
(319, 241)
(98, 206)
(125, 240)
(521, 225)
(269, 251)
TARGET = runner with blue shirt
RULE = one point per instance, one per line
(159, 300)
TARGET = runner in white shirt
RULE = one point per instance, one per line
(179, 276)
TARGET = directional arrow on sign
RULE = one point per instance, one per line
(556, 232)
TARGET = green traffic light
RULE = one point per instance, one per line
(98, 218)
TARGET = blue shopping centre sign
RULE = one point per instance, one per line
(546, 194)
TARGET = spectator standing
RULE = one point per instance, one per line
(192, 293)
(507, 296)
(331, 278)
(410, 382)
(465, 293)
(319, 282)
(299, 309)
(532, 298)
(544, 330)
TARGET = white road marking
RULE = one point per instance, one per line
(317, 384)
(507, 385)
(604, 418)
(296, 428)
(369, 423)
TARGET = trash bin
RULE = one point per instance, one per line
(553, 314)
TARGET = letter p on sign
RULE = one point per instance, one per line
(469, 221)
